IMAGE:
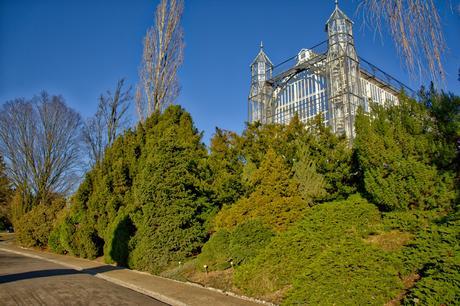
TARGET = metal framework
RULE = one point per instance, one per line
(326, 79)
(343, 78)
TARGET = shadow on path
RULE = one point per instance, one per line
(35, 274)
(53, 272)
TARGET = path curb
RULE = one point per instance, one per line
(154, 294)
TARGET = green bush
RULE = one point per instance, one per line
(54, 242)
(346, 273)
(216, 252)
(75, 236)
(439, 285)
(237, 246)
(88, 242)
(302, 252)
(397, 150)
(171, 197)
(435, 256)
(61, 239)
(247, 240)
(408, 221)
(33, 228)
(275, 200)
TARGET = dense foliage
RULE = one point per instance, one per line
(286, 213)
(330, 235)
(433, 256)
(34, 227)
(145, 204)
(274, 199)
(232, 248)
(403, 155)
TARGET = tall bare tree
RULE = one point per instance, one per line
(415, 27)
(40, 142)
(162, 56)
(110, 119)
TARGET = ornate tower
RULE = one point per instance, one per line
(260, 95)
(343, 76)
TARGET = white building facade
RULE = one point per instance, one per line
(331, 83)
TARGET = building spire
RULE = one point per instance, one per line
(336, 3)
(261, 45)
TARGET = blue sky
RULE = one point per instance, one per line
(81, 48)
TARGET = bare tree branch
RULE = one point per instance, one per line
(415, 27)
(39, 140)
(110, 119)
(162, 57)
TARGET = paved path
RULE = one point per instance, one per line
(31, 281)
(165, 290)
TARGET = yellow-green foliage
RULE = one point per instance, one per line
(326, 259)
(312, 185)
(346, 273)
(33, 228)
(62, 237)
(274, 201)
(235, 247)
(74, 235)
(216, 252)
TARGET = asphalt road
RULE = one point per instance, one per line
(30, 281)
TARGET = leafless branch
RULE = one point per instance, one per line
(415, 27)
(110, 119)
(39, 140)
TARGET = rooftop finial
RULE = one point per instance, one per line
(336, 3)
(261, 44)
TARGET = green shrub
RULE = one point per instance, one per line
(346, 273)
(61, 237)
(171, 199)
(33, 228)
(216, 252)
(435, 256)
(75, 236)
(247, 240)
(398, 151)
(88, 242)
(324, 228)
(237, 246)
(439, 285)
(67, 231)
(54, 242)
(408, 221)
(275, 200)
